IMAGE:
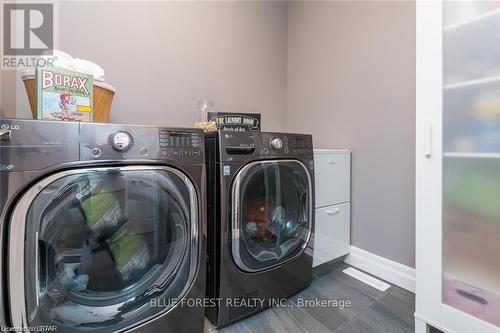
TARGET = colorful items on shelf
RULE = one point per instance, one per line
(486, 125)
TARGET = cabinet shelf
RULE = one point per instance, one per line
(472, 155)
(472, 83)
(472, 21)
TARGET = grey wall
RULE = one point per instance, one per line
(343, 71)
(7, 93)
(351, 83)
(7, 90)
(163, 57)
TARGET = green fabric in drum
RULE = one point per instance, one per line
(102, 210)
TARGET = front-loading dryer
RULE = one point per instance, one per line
(102, 227)
(260, 221)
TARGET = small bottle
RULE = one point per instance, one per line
(204, 107)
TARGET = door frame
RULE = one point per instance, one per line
(17, 225)
(235, 218)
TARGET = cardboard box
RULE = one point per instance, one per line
(64, 95)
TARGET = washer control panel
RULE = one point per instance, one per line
(301, 144)
(275, 144)
(241, 145)
(115, 142)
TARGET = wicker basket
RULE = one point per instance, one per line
(103, 98)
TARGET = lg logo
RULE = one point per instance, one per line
(28, 28)
(6, 167)
(9, 127)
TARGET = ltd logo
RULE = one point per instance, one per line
(9, 127)
(28, 28)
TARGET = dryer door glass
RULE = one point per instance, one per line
(102, 244)
(271, 213)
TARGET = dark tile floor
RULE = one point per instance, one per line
(371, 310)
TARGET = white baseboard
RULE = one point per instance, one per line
(391, 271)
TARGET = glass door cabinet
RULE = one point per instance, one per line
(458, 166)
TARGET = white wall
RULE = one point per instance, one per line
(163, 57)
(351, 83)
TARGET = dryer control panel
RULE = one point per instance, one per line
(180, 143)
(111, 142)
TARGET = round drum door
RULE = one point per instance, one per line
(271, 213)
(102, 249)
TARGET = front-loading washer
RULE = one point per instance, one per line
(260, 221)
(102, 227)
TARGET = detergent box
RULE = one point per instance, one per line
(63, 94)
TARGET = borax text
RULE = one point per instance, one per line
(50, 79)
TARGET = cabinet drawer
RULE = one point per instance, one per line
(332, 172)
(332, 233)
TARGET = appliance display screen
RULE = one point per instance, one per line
(179, 134)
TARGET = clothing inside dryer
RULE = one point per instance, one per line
(110, 241)
(275, 210)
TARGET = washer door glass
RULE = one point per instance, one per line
(272, 213)
(102, 243)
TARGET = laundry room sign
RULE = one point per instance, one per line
(240, 122)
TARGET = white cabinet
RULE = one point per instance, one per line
(332, 171)
(458, 166)
(332, 234)
(333, 180)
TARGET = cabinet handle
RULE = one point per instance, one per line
(428, 138)
(330, 161)
(334, 211)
